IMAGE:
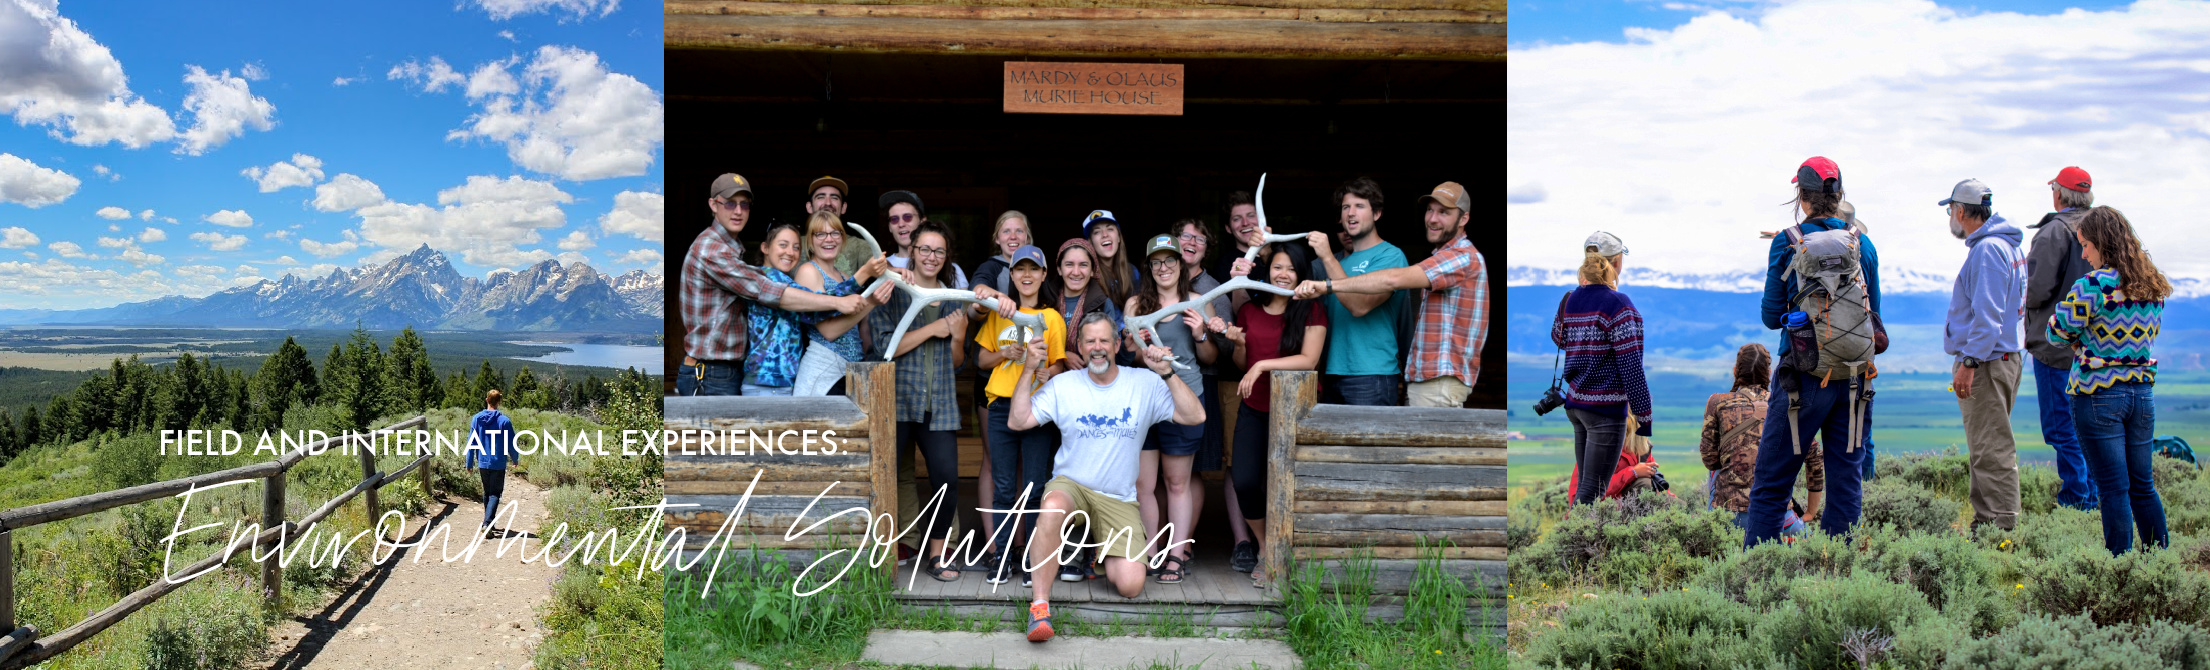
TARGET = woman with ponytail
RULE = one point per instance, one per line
(1601, 334)
(2110, 319)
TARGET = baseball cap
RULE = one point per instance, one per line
(1450, 194)
(1819, 169)
(825, 180)
(1029, 253)
(1160, 243)
(908, 197)
(2074, 178)
(1096, 216)
(1607, 244)
(729, 184)
(1970, 192)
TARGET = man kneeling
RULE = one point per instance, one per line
(1103, 416)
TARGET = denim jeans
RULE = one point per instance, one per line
(1020, 460)
(708, 378)
(752, 389)
(2117, 428)
(1596, 443)
(494, 485)
(2057, 430)
(1824, 417)
(1369, 390)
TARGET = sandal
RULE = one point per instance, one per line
(938, 573)
(1179, 572)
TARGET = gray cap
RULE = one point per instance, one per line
(1970, 192)
(1607, 244)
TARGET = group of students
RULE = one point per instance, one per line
(747, 332)
(2086, 304)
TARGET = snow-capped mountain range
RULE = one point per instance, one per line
(1892, 280)
(420, 289)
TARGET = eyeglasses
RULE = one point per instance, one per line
(739, 205)
(929, 252)
(1192, 237)
(827, 235)
(907, 217)
(1167, 261)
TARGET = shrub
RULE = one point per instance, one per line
(2037, 489)
(1954, 575)
(1911, 508)
(1649, 540)
(1547, 500)
(1519, 532)
(2076, 643)
(1946, 473)
(1760, 577)
(203, 638)
(1809, 629)
(1671, 629)
(2134, 587)
(127, 462)
(2172, 471)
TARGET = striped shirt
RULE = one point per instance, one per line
(1454, 320)
(1601, 335)
(2109, 335)
(924, 375)
(717, 284)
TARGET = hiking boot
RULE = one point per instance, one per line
(1028, 579)
(1078, 570)
(1245, 556)
(1039, 622)
(1000, 573)
(989, 563)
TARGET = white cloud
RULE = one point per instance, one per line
(115, 242)
(25, 183)
(577, 241)
(487, 220)
(507, 35)
(286, 260)
(113, 213)
(301, 170)
(278, 234)
(112, 228)
(135, 256)
(219, 241)
(646, 257)
(146, 215)
(433, 76)
(569, 116)
(574, 9)
(103, 171)
(636, 213)
(253, 72)
(223, 106)
(341, 81)
(1682, 141)
(347, 191)
(151, 235)
(235, 218)
(322, 250)
(493, 78)
(60, 77)
(16, 237)
(68, 250)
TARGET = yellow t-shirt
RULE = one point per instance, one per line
(1008, 374)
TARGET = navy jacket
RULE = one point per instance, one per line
(1776, 303)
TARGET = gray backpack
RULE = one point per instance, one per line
(1843, 332)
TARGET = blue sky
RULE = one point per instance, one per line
(502, 132)
(1678, 129)
(1549, 22)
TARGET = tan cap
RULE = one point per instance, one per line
(825, 180)
(1451, 195)
(729, 184)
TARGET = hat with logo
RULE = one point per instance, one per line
(1097, 216)
(729, 184)
(2074, 178)
(907, 197)
(825, 180)
(1970, 192)
(1607, 244)
(1160, 243)
(1820, 172)
(1451, 195)
(1029, 252)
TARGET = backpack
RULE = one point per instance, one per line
(1842, 332)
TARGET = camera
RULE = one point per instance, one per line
(1551, 400)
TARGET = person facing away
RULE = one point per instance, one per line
(1982, 333)
(1733, 422)
(2053, 264)
(2110, 319)
(1824, 409)
(1600, 332)
(491, 441)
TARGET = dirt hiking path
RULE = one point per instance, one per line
(479, 613)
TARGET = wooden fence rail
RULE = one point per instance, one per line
(22, 647)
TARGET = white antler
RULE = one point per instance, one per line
(1259, 201)
(923, 297)
(1148, 324)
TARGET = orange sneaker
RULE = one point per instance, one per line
(1039, 622)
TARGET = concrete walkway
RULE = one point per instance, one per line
(1013, 650)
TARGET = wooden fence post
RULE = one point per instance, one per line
(272, 516)
(7, 580)
(874, 387)
(368, 472)
(428, 493)
(1294, 394)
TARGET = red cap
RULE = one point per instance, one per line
(2074, 178)
(1818, 167)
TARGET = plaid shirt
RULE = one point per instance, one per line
(1454, 321)
(717, 284)
(924, 375)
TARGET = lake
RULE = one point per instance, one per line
(648, 359)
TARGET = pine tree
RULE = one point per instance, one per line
(412, 381)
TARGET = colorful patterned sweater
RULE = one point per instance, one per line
(2109, 334)
(1601, 335)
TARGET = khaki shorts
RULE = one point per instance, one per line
(1438, 392)
(1106, 516)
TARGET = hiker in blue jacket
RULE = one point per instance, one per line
(491, 436)
(1825, 410)
(1982, 333)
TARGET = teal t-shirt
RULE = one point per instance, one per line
(1366, 345)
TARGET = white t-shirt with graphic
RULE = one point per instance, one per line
(1101, 428)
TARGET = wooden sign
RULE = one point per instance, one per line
(1093, 88)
